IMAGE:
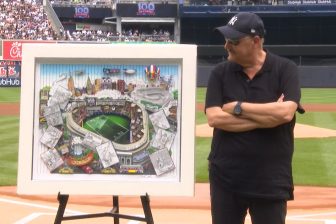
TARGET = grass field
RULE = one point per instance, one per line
(9, 138)
(9, 94)
(313, 162)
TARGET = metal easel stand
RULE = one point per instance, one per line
(63, 200)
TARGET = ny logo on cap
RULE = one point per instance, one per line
(233, 20)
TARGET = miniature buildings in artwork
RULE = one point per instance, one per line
(110, 123)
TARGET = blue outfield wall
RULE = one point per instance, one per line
(288, 7)
(310, 76)
(316, 63)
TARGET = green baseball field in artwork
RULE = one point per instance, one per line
(113, 127)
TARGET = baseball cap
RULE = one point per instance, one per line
(241, 25)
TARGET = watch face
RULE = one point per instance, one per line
(237, 109)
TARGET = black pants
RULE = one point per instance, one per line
(230, 208)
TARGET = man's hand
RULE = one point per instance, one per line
(281, 98)
(228, 107)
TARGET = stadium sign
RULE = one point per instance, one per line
(82, 12)
(12, 49)
(146, 9)
(10, 73)
(10, 82)
(70, 12)
(10, 69)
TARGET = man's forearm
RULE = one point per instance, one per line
(267, 114)
(228, 122)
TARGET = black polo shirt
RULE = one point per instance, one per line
(254, 163)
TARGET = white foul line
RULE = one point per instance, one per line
(312, 215)
(31, 217)
(329, 222)
(35, 215)
(36, 205)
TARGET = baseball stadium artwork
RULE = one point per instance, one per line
(107, 119)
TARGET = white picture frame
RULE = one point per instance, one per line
(71, 98)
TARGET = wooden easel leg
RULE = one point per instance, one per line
(146, 208)
(115, 209)
(63, 200)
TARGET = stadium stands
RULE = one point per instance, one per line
(125, 36)
(24, 20)
(27, 20)
(290, 23)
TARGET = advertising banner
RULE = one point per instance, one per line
(10, 73)
(82, 26)
(10, 82)
(146, 9)
(82, 12)
(12, 49)
(1, 48)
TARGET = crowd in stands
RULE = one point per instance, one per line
(26, 20)
(125, 36)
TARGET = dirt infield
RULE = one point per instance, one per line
(9, 109)
(313, 205)
(301, 131)
(305, 198)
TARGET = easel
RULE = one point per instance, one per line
(63, 200)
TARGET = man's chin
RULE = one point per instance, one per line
(230, 58)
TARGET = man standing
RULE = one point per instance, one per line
(251, 102)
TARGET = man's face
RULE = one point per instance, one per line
(240, 50)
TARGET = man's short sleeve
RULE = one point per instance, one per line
(214, 89)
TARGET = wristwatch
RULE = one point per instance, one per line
(237, 110)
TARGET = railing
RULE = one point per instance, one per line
(89, 3)
(123, 38)
(55, 22)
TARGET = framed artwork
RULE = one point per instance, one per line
(107, 119)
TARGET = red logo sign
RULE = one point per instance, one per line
(12, 49)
